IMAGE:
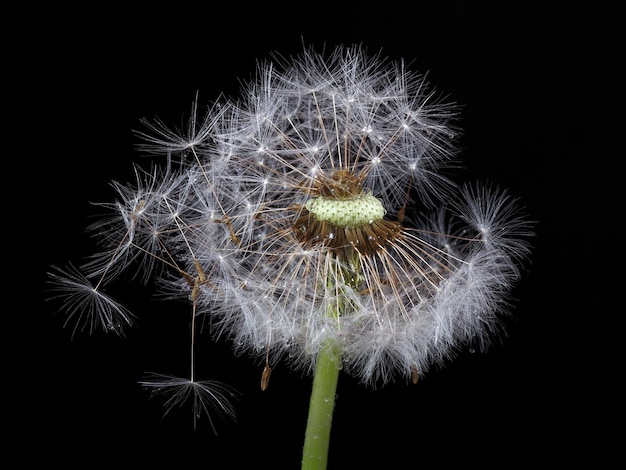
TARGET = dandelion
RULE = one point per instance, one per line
(312, 222)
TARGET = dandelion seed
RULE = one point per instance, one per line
(210, 398)
(265, 377)
(86, 306)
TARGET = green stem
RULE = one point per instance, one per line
(321, 406)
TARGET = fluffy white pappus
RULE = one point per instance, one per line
(212, 399)
(498, 217)
(197, 132)
(318, 112)
(86, 306)
(284, 221)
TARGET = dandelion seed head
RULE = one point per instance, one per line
(293, 201)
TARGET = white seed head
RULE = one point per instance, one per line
(284, 222)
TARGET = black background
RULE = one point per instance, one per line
(540, 91)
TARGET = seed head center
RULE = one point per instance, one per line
(353, 212)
